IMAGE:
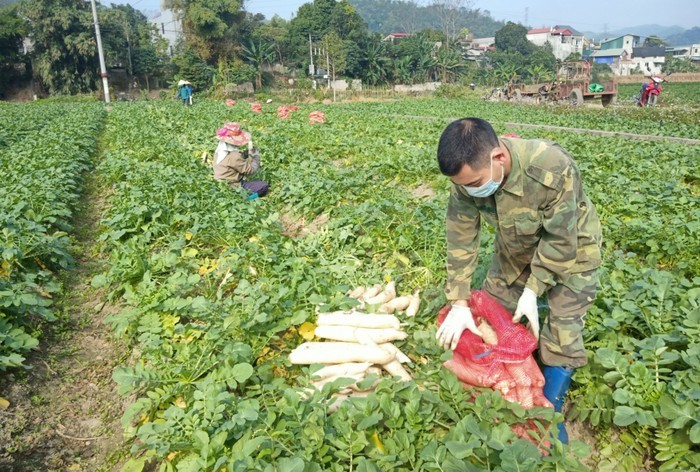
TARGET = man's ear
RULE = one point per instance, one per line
(498, 154)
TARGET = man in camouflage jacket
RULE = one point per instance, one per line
(548, 239)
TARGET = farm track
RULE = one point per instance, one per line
(619, 134)
(65, 412)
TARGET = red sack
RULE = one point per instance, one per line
(515, 342)
(283, 112)
(507, 366)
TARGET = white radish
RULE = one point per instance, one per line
(358, 320)
(412, 309)
(488, 333)
(357, 378)
(371, 292)
(395, 368)
(338, 353)
(352, 334)
(389, 293)
(396, 352)
(349, 369)
(396, 305)
(357, 292)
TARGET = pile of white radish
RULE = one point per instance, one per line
(359, 344)
(387, 299)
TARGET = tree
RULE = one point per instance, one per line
(146, 62)
(677, 64)
(654, 41)
(12, 30)
(192, 67)
(337, 53)
(449, 11)
(65, 51)
(375, 63)
(213, 28)
(318, 19)
(449, 61)
(513, 38)
(274, 32)
(258, 54)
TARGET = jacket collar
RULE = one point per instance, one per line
(514, 182)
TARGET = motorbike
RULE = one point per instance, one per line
(649, 94)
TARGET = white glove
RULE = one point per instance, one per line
(458, 319)
(527, 305)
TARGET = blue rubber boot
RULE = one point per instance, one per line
(253, 196)
(557, 381)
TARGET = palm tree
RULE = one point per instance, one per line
(449, 62)
(258, 54)
(376, 63)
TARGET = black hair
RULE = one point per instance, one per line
(465, 141)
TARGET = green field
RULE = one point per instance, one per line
(680, 94)
(213, 288)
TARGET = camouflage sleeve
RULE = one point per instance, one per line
(556, 251)
(463, 224)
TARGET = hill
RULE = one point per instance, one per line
(641, 30)
(686, 38)
(396, 16)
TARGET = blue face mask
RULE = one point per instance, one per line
(486, 190)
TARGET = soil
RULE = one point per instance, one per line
(423, 191)
(297, 227)
(64, 412)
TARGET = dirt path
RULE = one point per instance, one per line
(64, 413)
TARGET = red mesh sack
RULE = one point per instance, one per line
(515, 342)
(507, 366)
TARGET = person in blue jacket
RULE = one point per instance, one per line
(184, 92)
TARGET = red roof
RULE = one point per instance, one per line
(399, 35)
(538, 30)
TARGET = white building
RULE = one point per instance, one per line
(564, 40)
(169, 26)
(650, 59)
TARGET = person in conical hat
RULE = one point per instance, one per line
(184, 91)
(235, 159)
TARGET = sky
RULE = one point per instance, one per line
(584, 15)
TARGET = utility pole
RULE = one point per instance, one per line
(526, 12)
(311, 58)
(103, 69)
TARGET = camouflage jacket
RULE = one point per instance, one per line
(542, 217)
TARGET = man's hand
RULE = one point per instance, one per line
(458, 319)
(527, 306)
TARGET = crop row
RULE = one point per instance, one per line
(42, 171)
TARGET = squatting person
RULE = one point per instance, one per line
(236, 159)
(548, 239)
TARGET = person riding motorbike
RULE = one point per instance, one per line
(649, 89)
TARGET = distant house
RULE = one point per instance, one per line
(169, 25)
(473, 49)
(691, 52)
(626, 42)
(394, 36)
(564, 40)
(650, 59)
(619, 60)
